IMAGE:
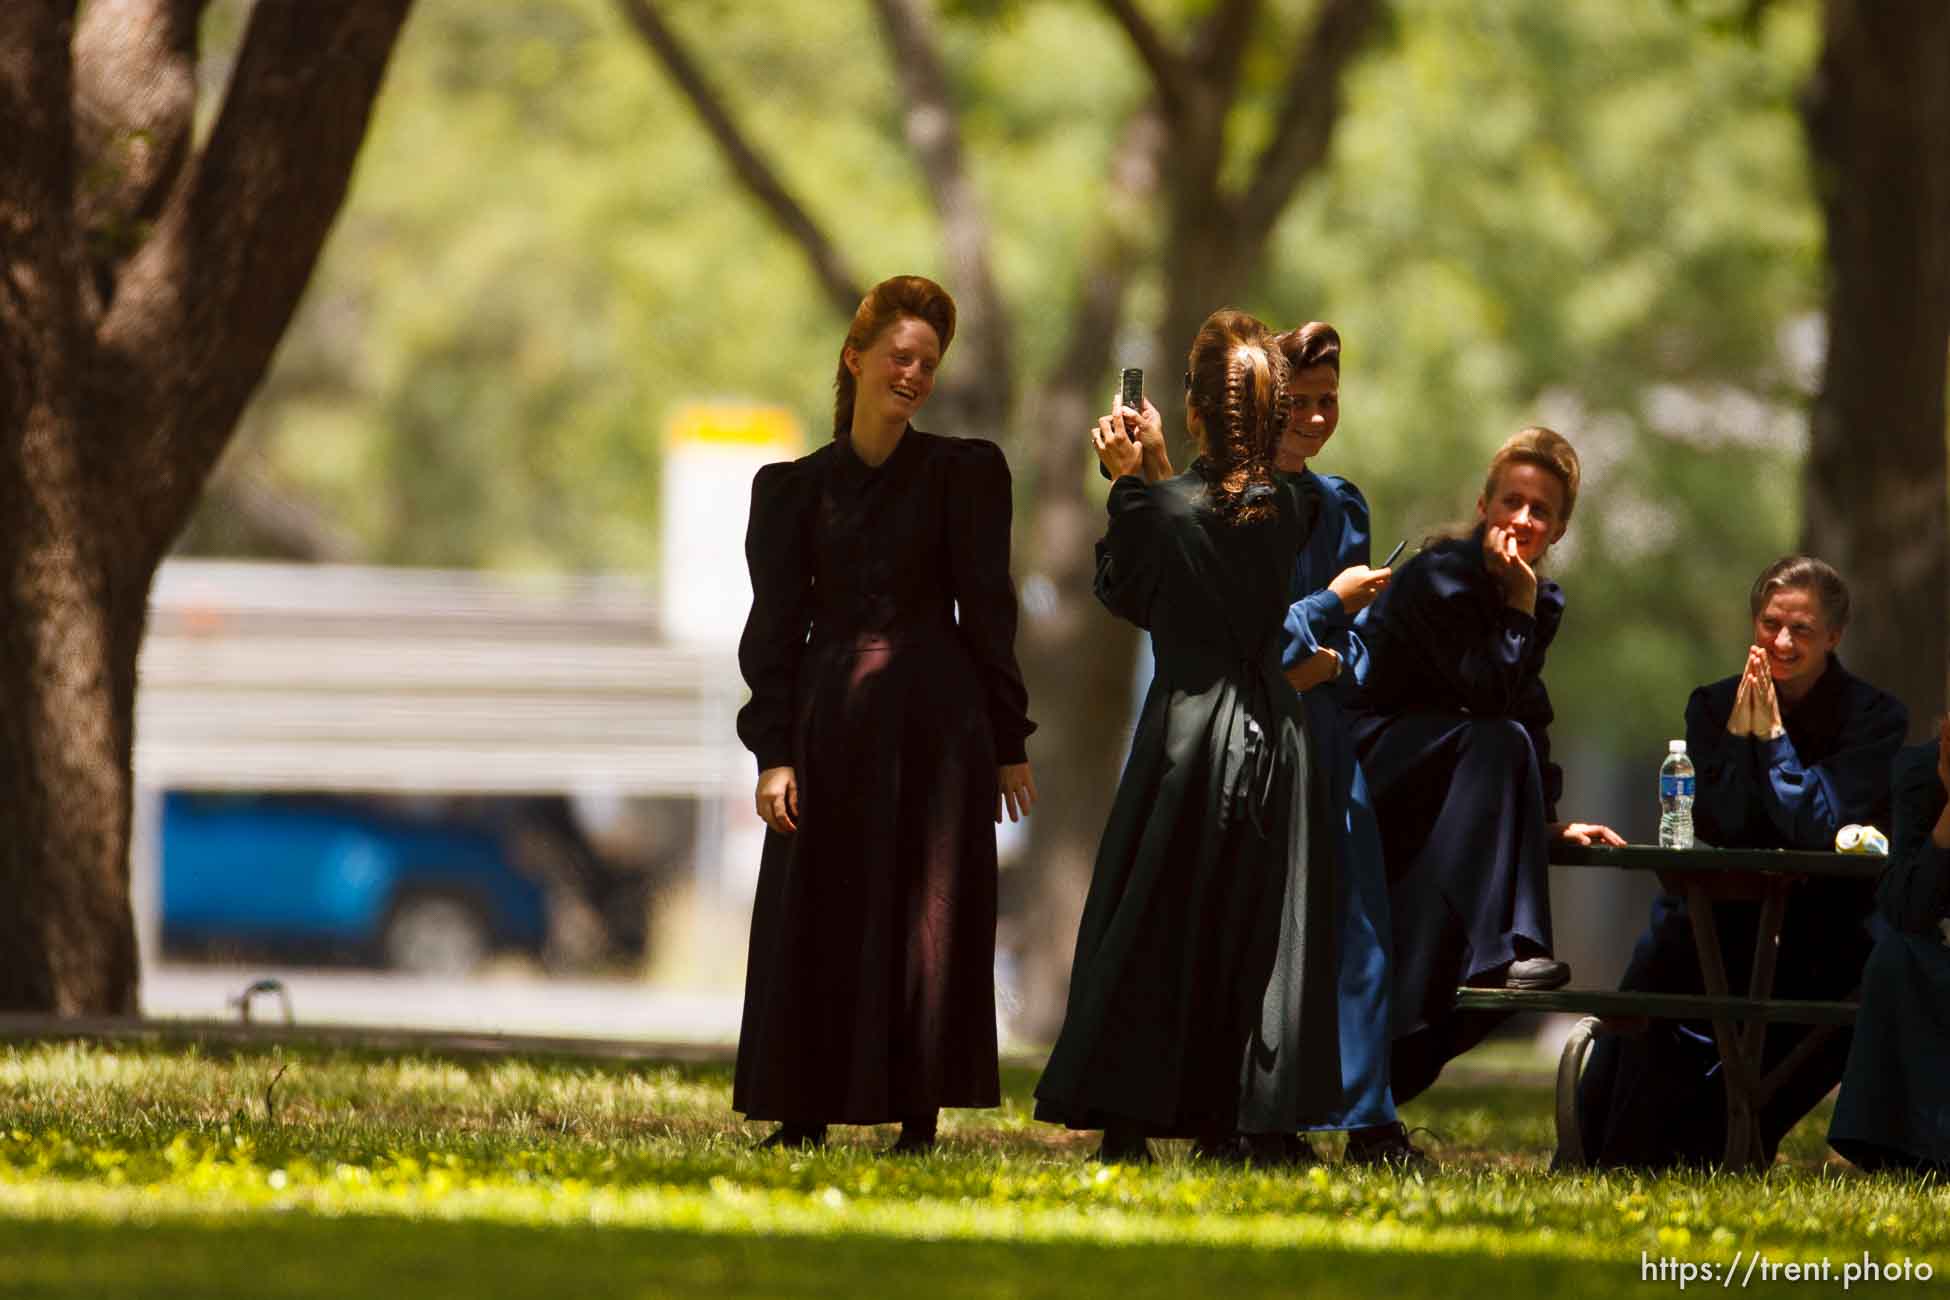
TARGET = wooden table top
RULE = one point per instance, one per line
(1773, 862)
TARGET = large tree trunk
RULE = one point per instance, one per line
(141, 296)
(1877, 478)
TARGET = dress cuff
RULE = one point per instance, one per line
(1010, 750)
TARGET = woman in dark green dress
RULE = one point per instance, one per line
(1205, 958)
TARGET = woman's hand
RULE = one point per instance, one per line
(1317, 668)
(778, 799)
(1147, 429)
(1586, 833)
(1506, 564)
(1740, 722)
(1357, 585)
(1115, 449)
(1756, 707)
(1015, 791)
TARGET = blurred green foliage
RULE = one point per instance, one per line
(1592, 216)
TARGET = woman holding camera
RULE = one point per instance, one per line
(1205, 956)
(888, 717)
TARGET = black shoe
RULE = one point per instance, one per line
(1280, 1150)
(795, 1137)
(1123, 1147)
(1536, 973)
(1387, 1146)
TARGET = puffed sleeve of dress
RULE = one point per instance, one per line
(1915, 887)
(979, 507)
(1130, 560)
(779, 553)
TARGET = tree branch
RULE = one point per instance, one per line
(1222, 42)
(202, 304)
(1167, 67)
(843, 289)
(1310, 106)
(983, 387)
(135, 107)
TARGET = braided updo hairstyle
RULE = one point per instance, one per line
(1236, 396)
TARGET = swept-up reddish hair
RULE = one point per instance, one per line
(1236, 386)
(884, 305)
(1314, 344)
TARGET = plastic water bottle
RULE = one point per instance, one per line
(1676, 798)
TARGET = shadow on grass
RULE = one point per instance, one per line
(351, 1257)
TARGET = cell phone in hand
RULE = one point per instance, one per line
(1389, 563)
(1130, 392)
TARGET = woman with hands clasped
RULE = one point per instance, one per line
(888, 718)
(1202, 996)
(1787, 751)
(1451, 720)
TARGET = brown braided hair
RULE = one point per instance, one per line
(884, 305)
(1236, 403)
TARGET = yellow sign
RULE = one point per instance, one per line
(726, 423)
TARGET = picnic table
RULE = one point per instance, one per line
(1702, 876)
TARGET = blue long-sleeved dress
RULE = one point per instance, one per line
(1894, 1110)
(1316, 620)
(1452, 723)
(1657, 1099)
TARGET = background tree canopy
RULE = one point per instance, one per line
(1596, 217)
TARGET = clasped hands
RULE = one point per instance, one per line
(778, 795)
(1756, 708)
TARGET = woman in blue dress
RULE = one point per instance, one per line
(1333, 582)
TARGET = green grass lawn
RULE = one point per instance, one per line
(133, 1171)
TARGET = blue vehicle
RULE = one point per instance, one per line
(315, 874)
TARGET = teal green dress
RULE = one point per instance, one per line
(1203, 991)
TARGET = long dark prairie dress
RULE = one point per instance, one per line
(1452, 722)
(1894, 1110)
(1317, 620)
(869, 992)
(1202, 992)
(1656, 1098)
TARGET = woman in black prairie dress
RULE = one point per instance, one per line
(1202, 996)
(888, 718)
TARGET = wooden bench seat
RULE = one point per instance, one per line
(1609, 1004)
(1610, 1011)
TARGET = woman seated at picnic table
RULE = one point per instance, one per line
(1894, 1111)
(1788, 750)
(1451, 719)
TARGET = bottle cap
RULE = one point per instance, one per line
(1675, 746)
